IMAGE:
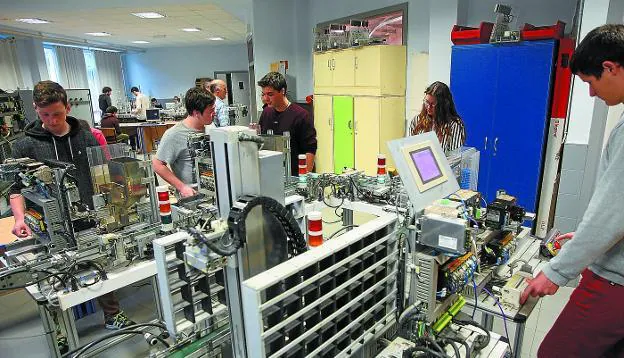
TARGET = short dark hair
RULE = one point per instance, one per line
(106, 89)
(275, 80)
(49, 92)
(604, 43)
(198, 99)
(111, 109)
(134, 89)
(153, 99)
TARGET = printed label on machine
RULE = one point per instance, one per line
(447, 242)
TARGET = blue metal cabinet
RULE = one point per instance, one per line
(503, 93)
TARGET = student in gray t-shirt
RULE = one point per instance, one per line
(173, 162)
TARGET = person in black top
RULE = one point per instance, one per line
(280, 115)
(104, 101)
(155, 104)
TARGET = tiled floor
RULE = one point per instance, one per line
(21, 332)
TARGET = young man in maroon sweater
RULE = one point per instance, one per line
(283, 116)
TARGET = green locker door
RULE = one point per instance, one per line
(344, 154)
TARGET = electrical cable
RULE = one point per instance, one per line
(461, 342)
(477, 344)
(102, 339)
(128, 328)
(344, 228)
(455, 348)
(503, 313)
(476, 297)
(410, 352)
(238, 215)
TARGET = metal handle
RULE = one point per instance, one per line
(333, 63)
(356, 62)
(485, 146)
(329, 122)
(495, 142)
(349, 125)
(329, 63)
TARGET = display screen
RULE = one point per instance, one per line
(426, 164)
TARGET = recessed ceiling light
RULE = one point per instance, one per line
(148, 15)
(99, 34)
(191, 29)
(218, 38)
(140, 42)
(33, 21)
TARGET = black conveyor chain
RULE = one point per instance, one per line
(239, 211)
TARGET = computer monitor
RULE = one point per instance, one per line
(152, 114)
(423, 168)
(170, 105)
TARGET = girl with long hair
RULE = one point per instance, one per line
(438, 114)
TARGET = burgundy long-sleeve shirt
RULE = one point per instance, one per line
(296, 121)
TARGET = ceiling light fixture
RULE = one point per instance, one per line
(218, 38)
(148, 15)
(191, 29)
(98, 34)
(33, 21)
(140, 42)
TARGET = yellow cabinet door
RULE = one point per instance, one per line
(323, 69)
(343, 68)
(392, 119)
(366, 112)
(367, 66)
(323, 122)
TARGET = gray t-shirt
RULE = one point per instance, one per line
(173, 150)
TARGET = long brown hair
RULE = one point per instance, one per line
(445, 114)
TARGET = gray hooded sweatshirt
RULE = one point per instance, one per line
(39, 144)
(599, 240)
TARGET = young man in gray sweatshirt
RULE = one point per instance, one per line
(592, 322)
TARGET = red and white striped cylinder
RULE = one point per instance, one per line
(381, 168)
(315, 229)
(164, 207)
(303, 170)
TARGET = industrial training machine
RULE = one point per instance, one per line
(262, 264)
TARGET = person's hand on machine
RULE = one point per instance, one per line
(186, 191)
(21, 230)
(540, 286)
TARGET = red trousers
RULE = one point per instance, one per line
(591, 324)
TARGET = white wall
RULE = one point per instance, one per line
(274, 36)
(535, 12)
(168, 71)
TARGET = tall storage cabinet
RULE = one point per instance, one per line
(359, 105)
(503, 93)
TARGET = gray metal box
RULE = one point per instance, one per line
(447, 234)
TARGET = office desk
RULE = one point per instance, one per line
(6, 225)
(147, 133)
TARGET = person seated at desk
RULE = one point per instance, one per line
(55, 135)
(155, 104)
(173, 150)
(438, 114)
(110, 120)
